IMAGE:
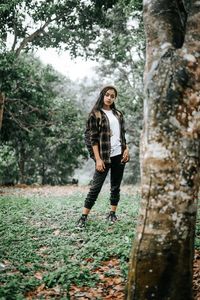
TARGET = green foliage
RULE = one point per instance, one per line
(38, 235)
(72, 25)
(125, 33)
(108, 29)
(8, 163)
(26, 84)
(42, 125)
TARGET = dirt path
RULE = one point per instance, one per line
(45, 191)
(57, 191)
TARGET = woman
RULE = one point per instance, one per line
(107, 135)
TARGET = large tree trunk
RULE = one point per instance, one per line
(162, 255)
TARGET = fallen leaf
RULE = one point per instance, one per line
(119, 288)
(117, 280)
(40, 288)
(2, 266)
(44, 248)
(56, 289)
(38, 275)
(56, 232)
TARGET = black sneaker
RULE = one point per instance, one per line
(81, 222)
(112, 218)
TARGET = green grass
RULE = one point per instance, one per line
(38, 237)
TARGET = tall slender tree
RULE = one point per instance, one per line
(162, 254)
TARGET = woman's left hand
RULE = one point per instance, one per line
(125, 156)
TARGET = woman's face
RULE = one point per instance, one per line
(109, 98)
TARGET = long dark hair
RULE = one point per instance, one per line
(99, 103)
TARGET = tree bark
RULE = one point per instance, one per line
(162, 255)
(21, 164)
(2, 101)
(43, 173)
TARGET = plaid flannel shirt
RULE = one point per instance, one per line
(100, 133)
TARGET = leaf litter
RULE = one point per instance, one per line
(109, 286)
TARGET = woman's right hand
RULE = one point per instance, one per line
(100, 166)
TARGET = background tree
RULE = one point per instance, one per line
(162, 256)
(40, 125)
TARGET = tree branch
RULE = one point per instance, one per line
(31, 37)
(12, 117)
(28, 127)
(15, 37)
(33, 108)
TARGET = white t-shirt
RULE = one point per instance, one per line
(115, 133)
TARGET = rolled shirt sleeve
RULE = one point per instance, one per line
(94, 130)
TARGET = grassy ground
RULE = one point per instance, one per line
(42, 256)
(40, 249)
